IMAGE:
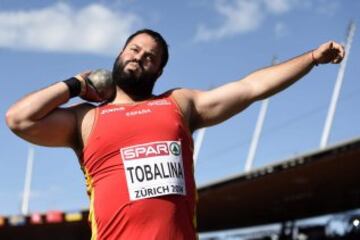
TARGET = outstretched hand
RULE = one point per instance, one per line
(329, 52)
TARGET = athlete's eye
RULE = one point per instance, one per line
(134, 49)
(150, 57)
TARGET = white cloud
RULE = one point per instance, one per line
(92, 29)
(279, 6)
(242, 16)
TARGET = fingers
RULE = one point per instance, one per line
(340, 53)
(82, 78)
(331, 52)
(336, 52)
(83, 75)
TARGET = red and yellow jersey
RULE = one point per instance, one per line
(139, 169)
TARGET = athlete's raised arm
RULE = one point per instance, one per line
(214, 106)
(38, 118)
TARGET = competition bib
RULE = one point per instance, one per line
(154, 169)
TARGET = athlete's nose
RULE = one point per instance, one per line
(139, 56)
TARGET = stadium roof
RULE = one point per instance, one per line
(313, 184)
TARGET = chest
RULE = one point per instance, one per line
(130, 124)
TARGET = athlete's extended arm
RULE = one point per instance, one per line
(37, 117)
(214, 106)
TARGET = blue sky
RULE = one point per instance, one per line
(211, 43)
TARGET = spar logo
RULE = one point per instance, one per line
(145, 151)
(175, 148)
(154, 149)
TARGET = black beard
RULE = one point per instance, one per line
(138, 86)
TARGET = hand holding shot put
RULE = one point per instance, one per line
(134, 147)
(96, 86)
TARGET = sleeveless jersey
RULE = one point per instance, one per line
(139, 169)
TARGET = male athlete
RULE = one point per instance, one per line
(136, 148)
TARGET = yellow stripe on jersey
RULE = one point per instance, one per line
(91, 193)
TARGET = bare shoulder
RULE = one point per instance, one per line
(185, 99)
(82, 107)
(83, 111)
(85, 116)
(184, 95)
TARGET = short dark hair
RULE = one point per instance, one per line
(158, 38)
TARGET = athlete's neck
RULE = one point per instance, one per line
(122, 97)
